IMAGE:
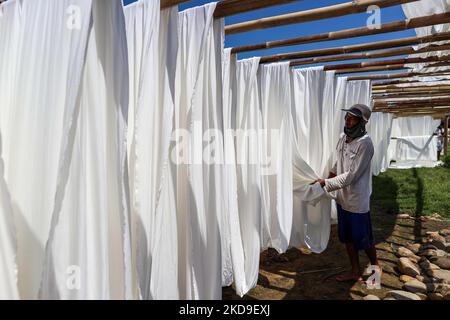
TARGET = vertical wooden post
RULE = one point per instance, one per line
(445, 135)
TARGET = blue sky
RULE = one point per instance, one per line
(350, 21)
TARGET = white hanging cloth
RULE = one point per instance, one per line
(152, 43)
(252, 182)
(406, 127)
(315, 118)
(379, 129)
(8, 248)
(38, 97)
(88, 254)
(416, 148)
(425, 8)
(10, 24)
(275, 93)
(199, 179)
(233, 268)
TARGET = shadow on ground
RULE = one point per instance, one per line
(298, 274)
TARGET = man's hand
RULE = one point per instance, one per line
(321, 181)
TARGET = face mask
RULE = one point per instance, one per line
(357, 131)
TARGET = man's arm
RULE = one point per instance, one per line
(360, 162)
(332, 174)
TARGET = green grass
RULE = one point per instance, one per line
(420, 191)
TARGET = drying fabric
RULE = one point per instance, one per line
(416, 148)
(10, 24)
(232, 244)
(152, 53)
(38, 98)
(88, 254)
(252, 182)
(408, 127)
(63, 124)
(8, 249)
(379, 129)
(425, 8)
(315, 119)
(275, 94)
(414, 126)
(199, 179)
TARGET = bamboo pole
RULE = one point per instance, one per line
(394, 82)
(370, 55)
(351, 33)
(411, 102)
(371, 69)
(338, 10)
(170, 3)
(228, 8)
(386, 62)
(411, 94)
(410, 88)
(398, 75)
(357, 48)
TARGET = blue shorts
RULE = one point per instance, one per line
(355, 228)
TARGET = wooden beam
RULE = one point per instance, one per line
(170, 3)
(386, 62)
(410, 88)
(375, 68)
(393, 82)
(413, 102)
(386, 96)
(228, 8)
(357, 48)
(338, 10)
(371, 55)
(350, 33)
(398, 75)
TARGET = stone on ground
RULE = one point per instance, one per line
(402, 295)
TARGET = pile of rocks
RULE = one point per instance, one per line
(424, 268)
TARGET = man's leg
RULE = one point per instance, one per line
(355, 273)
(372, 255)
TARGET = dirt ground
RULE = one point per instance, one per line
(300, 275)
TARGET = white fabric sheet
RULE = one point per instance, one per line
(38, 95)
(152, 48)
(252, 181)
(315, 119)
(64, 158)
(416, 148)
(409, 127)
(90, 232)
(379, 129)
(232, 244)
(199, 184)
(275, 93)
(8, 248)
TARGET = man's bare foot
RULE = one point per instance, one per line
(349, 276)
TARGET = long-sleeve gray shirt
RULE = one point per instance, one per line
(353, 181)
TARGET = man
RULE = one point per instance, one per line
(440, 139)
(351, 177)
